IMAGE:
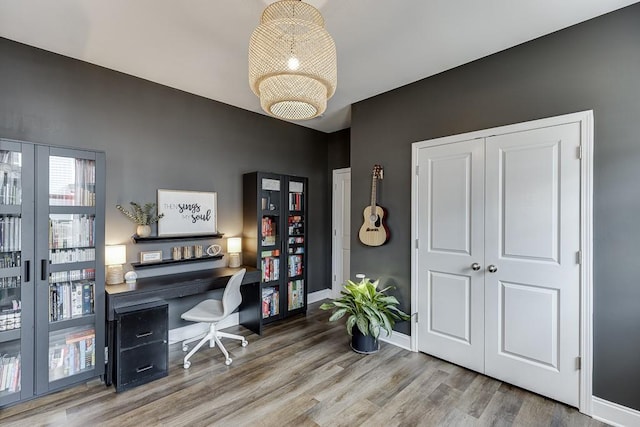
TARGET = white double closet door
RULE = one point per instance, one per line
(498, 275)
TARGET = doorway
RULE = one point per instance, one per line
(341, 230)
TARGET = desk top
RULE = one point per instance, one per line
(173, 286)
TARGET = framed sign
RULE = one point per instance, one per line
(148, 257)
(187, 213)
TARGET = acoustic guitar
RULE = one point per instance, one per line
(374, 231)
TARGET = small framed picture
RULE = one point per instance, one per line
(147, 257)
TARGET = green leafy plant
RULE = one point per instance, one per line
(141, 215)
(368, 308)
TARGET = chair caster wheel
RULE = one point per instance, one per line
(186, 365)
(228, 361)
(185, 348)
(245, 343)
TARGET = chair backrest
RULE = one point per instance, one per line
(231, 298)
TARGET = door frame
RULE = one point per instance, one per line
(585, 119)
(336, 248)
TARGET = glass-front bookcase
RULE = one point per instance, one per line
(16, 281)
(51, 268)
(274, 218)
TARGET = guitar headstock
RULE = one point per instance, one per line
(377, 172)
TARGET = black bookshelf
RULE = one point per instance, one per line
(275, 241)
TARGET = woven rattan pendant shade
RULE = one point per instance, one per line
(292, 61)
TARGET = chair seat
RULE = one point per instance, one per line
(209, 310)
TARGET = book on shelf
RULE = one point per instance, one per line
(10, 373)
(10, 233)
(295, 294)
(73, 354)
(270, 267)
(74, 233)
(69, 300)
(270, 302)
(295, 201)
(295, 265)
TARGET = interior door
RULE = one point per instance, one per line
(341, 242)
(532, 277)
(450, 210)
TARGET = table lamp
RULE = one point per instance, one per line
(114, 257)
(234, 247)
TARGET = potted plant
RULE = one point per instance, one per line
(142, 215)
(369, 309)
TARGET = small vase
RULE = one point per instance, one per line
(143, 231)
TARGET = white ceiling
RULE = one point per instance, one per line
(200, 46)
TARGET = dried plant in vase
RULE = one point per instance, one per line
(142, 215)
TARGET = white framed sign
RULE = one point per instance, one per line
(187, 213)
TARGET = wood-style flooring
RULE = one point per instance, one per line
(301, 372)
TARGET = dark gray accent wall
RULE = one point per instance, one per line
(158, 137)
(593, 65)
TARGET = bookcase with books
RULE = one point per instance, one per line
(274, 240)
(51, 273)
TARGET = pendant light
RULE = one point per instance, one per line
(292, 61)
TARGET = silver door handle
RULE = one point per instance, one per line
(475, 266)
(492, 268)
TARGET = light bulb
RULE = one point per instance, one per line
(293, 63)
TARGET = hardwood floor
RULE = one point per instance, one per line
(301, 373)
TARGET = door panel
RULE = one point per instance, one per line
(451, 299)
(529, 323)
(450, 221)
(341, 242)
(532, 238)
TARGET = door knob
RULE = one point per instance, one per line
(475, 266)
(492, 268)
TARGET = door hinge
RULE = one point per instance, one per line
(578, 363)
(335, 232)
(106, 354)
(334, 278)
(417, 169)
(415, 317)
(579, 257)
(579, 151)
(417, 244)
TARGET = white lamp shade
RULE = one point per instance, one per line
(234, 245)
(115, 255)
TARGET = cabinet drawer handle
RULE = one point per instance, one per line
(144, 334)
(144, 368)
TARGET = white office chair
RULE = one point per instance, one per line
(213, 311)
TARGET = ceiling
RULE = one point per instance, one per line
(200, 46)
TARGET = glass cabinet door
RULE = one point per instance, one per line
(295, 244)
(16, 288)
(69, 288)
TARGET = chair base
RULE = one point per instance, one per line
(213, 337)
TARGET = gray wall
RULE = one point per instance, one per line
(594, 65)
(157, 137)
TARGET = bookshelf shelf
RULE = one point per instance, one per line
(274, 217)
(59, 325)
(152, 239)
(166, 262)
(12, 335)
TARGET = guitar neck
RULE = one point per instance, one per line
(373, 194)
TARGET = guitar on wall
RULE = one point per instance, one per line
(374, 231)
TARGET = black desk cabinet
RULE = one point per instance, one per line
(142, 348)
(119, 299)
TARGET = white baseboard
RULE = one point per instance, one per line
(189, 331)
(398, 339)
(614, 414)
(318, 296)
